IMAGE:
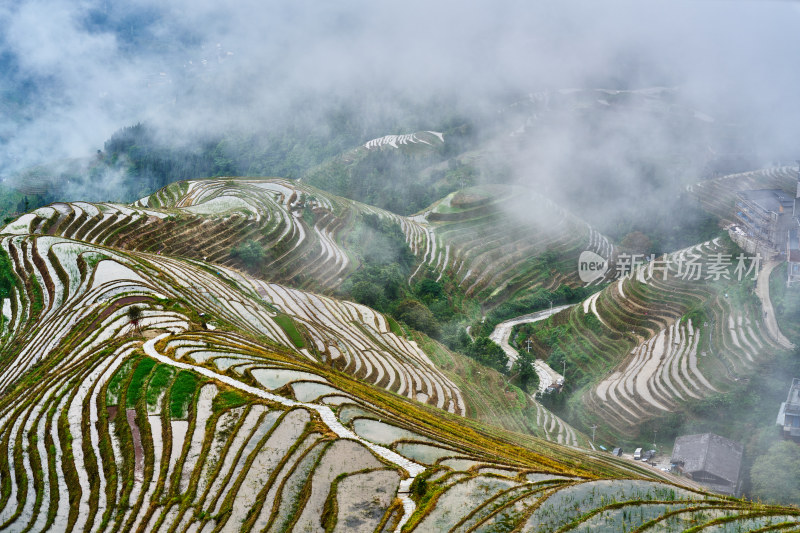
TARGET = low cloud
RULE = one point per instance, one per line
(78, 71)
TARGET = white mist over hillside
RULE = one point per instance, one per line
(75, 72)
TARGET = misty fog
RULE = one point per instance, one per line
(712, 81)
(81, 70)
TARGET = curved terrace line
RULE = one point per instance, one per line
(326, 415)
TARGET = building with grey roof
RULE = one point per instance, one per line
(766, 216)
(768, 223)
(710, 460)
(793, 257)
(789, 414)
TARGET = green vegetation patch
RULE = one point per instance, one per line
(181, 393)
(158, 382)
(7, 281)
(287, 325)
(395, 327)
(228, 399)
(14, 203)
(37, 304)
(115, 383)
(92, 258)
(386, 262)
(7, 278)
(251, 253)
(138, 380)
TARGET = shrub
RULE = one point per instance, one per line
(251, 253)
(775, 476)
(418, 317)
(486, 351)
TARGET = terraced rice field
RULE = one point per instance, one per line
(233, 404)
(495, 242)
(204, 220)
(227, 429)
(661, 357)
(556, 430)
(430, 138)
(213, 215)
(347, 336)
(489, 251)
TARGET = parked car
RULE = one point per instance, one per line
(617, 452)
(637, 454)
(649, 454)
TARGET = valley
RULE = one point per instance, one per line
(154, 380)
(393, 336)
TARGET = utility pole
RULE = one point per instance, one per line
(551, 304)
(594, 427)
(564, 372)
(528, 345)
(654, 438)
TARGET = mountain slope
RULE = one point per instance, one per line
(206, 219)
(167, 419)
(667, 334)
(495, 241)
(488, 240)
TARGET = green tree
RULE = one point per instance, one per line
(381, 242)
(429, 291)
(134, 317)
(489, 353)
(526, 372)
(251, 253)
(455, 336)
(418, 317)
(368, 293)
(775, 476)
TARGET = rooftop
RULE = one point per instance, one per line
(793, 398)
(707, 452)
(789, 430)
(770, 200)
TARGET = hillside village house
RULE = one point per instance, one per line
(765, 216)
(768, 223)
(789, 414)
(711, 460)
(793, 255)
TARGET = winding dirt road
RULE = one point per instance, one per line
(502, 332)
(762, 291)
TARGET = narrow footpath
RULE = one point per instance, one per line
(325, 414)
